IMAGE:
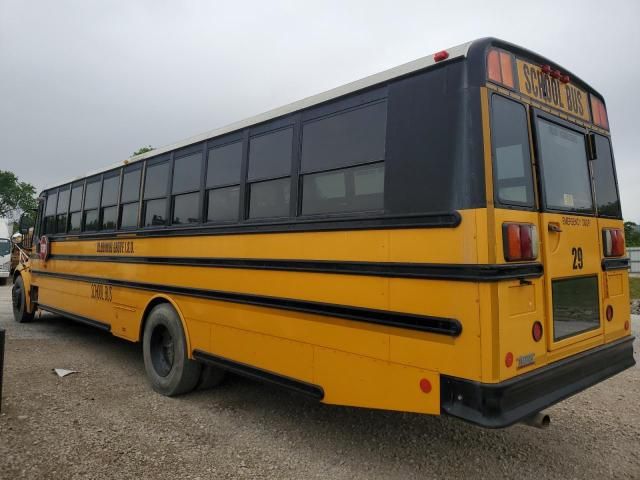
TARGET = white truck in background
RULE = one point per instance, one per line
(5, 251)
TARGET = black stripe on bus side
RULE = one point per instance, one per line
(300, 225)
(309, 389)
(460, 272)
(76, 318)
(615, 264)
(423, 323)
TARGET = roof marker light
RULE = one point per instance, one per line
(565, 79)
(546, 69)
(442, 55)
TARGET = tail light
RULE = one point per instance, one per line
(599, 113)
(500, 67)
(613, 242)
(520, 241)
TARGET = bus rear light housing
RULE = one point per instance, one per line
(500, 67)
(520, 241)
(609, 313)
(599, 113)
(613, 242)
(536, 331)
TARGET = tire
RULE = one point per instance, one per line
(164, 348)
(3, 282)
(211, 377)
(18, 301)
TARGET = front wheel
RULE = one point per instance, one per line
(19, 302)
(164, 348)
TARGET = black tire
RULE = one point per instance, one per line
(210, 377)
(3, 281)
(19, 302)
(164, 348)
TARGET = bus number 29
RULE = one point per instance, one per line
(577, 258)
(101, 292)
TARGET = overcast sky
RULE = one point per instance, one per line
(85, 83)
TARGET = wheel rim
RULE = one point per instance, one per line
(162, 350)
(17, 296)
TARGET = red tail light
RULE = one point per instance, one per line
(536, 331)
(520, 241)
(613, 242)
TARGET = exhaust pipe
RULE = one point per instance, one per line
(538, 420)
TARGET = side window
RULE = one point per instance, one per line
(130, 197)
(109, 202)
(604, 178)
(50, 212)
(61, 211)
(224, 166)
(185, 189)
(156, 183)
(342, 161)
(268, 177)
(91, 201)
(513, 178)
(75, 207)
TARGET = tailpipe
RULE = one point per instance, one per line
(538, 420)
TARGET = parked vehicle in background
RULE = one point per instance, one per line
(5, 251)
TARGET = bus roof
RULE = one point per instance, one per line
(375, 79)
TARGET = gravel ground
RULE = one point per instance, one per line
(105, 422)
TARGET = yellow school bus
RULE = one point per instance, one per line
(444, 237)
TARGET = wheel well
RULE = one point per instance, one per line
(147, 310)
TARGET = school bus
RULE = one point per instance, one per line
(444, 237)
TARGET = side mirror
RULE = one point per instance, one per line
(16, 238)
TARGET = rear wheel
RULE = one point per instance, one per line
(164, 348)
(19, 302)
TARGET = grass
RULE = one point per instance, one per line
(634, 287)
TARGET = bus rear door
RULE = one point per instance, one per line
(569, 234)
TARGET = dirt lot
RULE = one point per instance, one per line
(105, 422)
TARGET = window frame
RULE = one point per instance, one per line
(54, 215)
(289, 122)
(98, 180)
(238, 137)
(143, 209)
(333, 109)
(130, 168)
(535, 203)
(107, 176)
(199, 148)
(548, 117)
(615, 178)
(82, 183)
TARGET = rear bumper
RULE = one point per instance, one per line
(502, 404)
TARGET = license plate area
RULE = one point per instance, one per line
(576, 307)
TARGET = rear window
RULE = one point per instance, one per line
(513, 179)
(564, 165)
(607, 200)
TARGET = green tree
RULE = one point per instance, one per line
(142, 150)
(16, 197)
(631, 234)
